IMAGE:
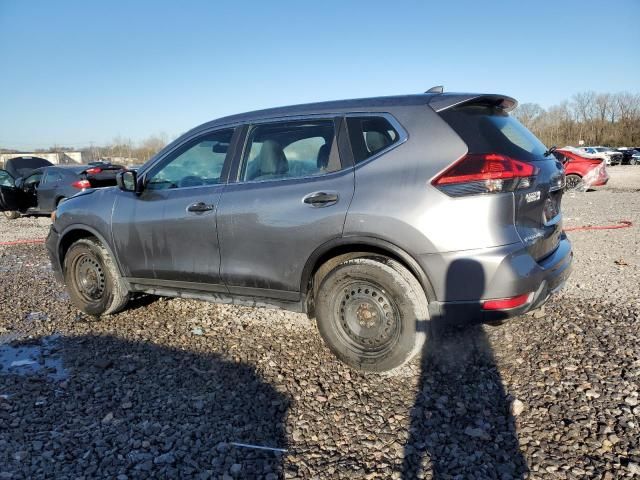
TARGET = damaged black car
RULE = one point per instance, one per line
(35, 186)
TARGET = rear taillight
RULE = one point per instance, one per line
(485, 173)
(93, 171)
(506, 303)
(81, 184)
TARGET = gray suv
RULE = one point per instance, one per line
(376, 216)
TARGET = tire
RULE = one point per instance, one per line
(351, 300)
(573, 181)
(92, 279)
(11, 215)
(633, 161)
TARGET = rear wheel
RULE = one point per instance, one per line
(11, 215)
(92, 279)
(573, 181)
(372, 313)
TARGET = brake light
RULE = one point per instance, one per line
(485, 173)
(94, 171)
(81, 184)
(506, 303)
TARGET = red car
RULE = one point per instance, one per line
(582, 170)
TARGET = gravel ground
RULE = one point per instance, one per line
(164, 388)
(607, 262)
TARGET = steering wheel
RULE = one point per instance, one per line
(190, 181)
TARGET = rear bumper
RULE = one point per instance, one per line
(601, 183)
(512, 274)
(51, 243)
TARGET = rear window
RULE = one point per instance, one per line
(369, 136)
(487, 129)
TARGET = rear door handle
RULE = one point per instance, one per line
(199, 207)
(321, 199)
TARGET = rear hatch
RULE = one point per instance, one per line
(536, 181)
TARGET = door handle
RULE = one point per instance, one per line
(321, 199)
(199, 207)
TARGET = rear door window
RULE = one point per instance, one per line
(488, 129)
(370, 136)
(290, 150)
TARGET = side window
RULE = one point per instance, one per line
(6, 180)
(32, 181)
(199, 163)
(370, 135)
(290, 150)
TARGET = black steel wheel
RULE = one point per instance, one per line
(366, 318)
(372, 313)
(92, 279)
(88, 277)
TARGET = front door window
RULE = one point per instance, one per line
(198, 164)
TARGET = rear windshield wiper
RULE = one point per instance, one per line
(550, 151)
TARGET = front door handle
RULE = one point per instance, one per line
(199, 207)
(321, 199)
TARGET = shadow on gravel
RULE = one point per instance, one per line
(140, 410)
(461, 425)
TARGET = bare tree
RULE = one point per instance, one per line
(528, 113)
(608, 118)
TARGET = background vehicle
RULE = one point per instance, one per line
(609, 155)
(23, 165)
(581, 171)
(630, 155)
(375, 216)
(42, 189)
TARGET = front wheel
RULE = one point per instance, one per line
(372, 313)
(93, 281)
(11, 215)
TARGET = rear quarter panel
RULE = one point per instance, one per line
(395, 201)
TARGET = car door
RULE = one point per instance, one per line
(47, 190)
(290, 194)
(29, 186)
(167, 235)
(11, 197)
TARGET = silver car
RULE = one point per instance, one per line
(378, 217)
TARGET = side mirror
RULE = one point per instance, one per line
(127, 181)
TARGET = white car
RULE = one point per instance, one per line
(609, 155)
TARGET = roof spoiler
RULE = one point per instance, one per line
(445, 101)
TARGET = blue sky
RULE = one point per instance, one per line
(75, 72)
